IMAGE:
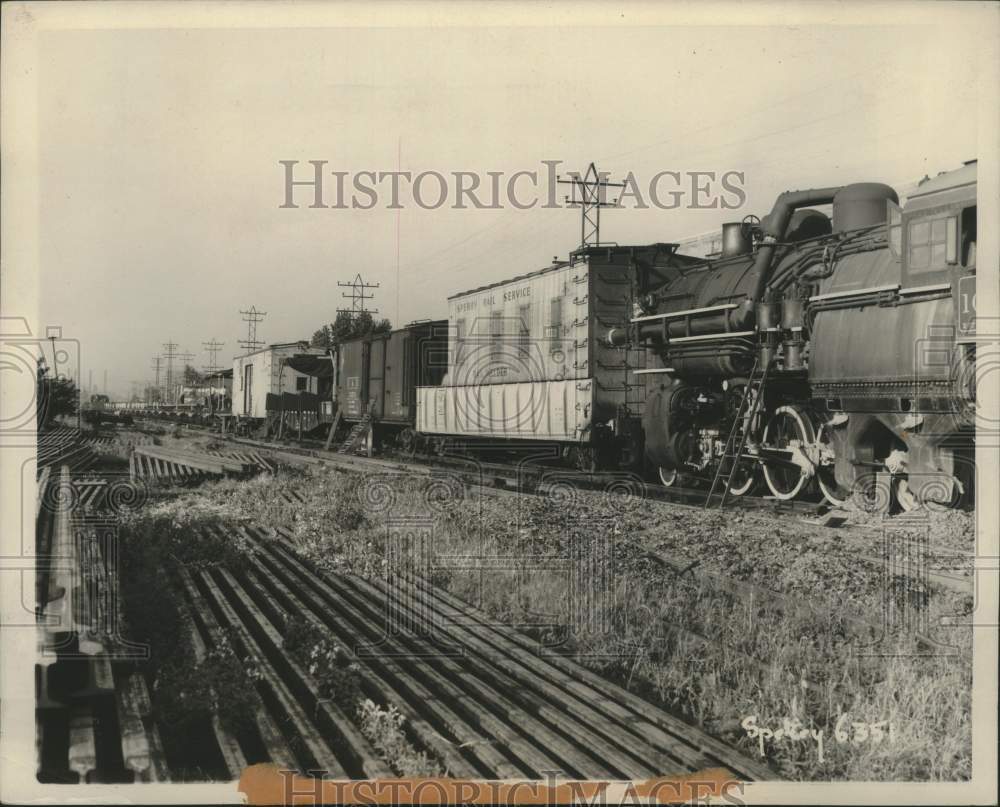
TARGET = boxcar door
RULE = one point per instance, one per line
(396, 366)
(248, 390)
(376, 375)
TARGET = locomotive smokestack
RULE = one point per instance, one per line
(735, 240)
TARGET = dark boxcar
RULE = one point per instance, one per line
(380, 373)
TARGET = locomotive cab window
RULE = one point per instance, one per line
(894, 226)
(931, 243)
(968, 242)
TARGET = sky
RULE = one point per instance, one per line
(160, 189)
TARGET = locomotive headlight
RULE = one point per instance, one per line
(647, 303)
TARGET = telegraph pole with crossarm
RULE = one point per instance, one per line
(588, 193)
(357, 296)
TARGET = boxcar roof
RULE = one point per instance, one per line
(556, 265)
(417, 323)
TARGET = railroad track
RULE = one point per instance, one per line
(476, 696)
(64, 446)
(527, 478)
(93, 712)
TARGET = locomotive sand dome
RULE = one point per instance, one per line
(828, 354)
(528, 364)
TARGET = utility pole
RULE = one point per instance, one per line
(587, 193)
(170, 353)
(357, 296)
(212, 347)
(251, 317)
(157, 360)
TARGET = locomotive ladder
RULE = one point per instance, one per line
(750, 401)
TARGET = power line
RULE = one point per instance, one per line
(357, 296)
(591, 199)
(212, 347)
(157, 360)
(251, 317)
(170, 353)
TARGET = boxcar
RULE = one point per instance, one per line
(530, 361)
(263, 372)
(378, 375)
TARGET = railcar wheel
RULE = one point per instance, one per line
(669, 478)
(408, 442)
(584, 459)
(745, 479)
(788, 429)
(905, 498)
(835, 493)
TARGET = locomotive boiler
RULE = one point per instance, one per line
(820, 351)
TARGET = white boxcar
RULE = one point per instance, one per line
(528, 357)
(261, 372)
(541, 410)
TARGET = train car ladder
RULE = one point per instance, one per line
(358, 433)
(360, 430)
(738, 431)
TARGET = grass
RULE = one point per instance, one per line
(710, 655)
(330, 665)
(384, 729)
(184, 689)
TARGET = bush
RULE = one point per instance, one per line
(384, 730)
(329, 663)
(185, 691)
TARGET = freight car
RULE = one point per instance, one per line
(527, 364)
(836, 350)
(100, 409)
(377, 377)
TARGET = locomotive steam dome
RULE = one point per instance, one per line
(861, 205)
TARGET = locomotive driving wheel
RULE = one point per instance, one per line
(744, 479)
(669, 477)
(789, 431)
(835, 493)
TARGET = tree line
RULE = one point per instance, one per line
(349, 326)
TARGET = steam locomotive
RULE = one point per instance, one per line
(820, 351)
(821, 355)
